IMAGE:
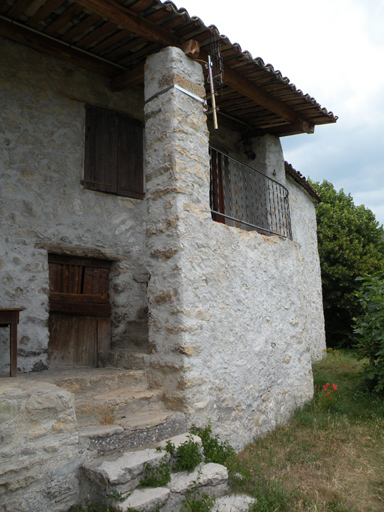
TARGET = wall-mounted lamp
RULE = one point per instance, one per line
(248, 150)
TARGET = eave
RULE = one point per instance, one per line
(114, 38)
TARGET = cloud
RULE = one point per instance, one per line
(334, 51)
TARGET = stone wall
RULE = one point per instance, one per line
(233, 315)
(39, 448)
(304, 230)
(43, 205)
(227, 307)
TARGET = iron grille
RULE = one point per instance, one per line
(243, 197)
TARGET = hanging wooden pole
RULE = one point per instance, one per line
(214, 108)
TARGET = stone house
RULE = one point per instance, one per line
(137, 235)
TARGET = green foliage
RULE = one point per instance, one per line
(353, 401)
(214, 449)
(188, 455)
(92, 507)
(156, 475)
(270, 495)
(195, 502)
(130, 509)
(169, 447)
(351, 245)
(369, 328)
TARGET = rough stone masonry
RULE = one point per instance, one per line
(234, 316)
(230, 310)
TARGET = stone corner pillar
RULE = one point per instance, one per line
(177, 181)
(269, 157)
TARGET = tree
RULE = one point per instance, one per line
(351, 245)
(369, 330)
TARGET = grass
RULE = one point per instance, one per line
(329, 458)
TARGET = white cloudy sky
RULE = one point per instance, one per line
(334, 51)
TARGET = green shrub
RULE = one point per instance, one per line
(105, 506)
(195, 502)
(369, 328)
(214, 449)
(157, 475)
(188, 456)
(91, 507)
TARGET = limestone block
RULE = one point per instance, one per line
(180, 439)
(100, 431)
(233, 504)
(145, 500)
(39, 448)
(205, 475)
(124, 472)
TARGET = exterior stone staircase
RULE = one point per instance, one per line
(123, 475)
(122, 426)
(115, 408)
(110, 428)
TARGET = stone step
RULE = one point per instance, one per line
(118, 407)
(96, 380)
(210, 479)
(150, 499)
(122, 474)
(233, 503)
(146, 500)
(142, 429)
(125, 358)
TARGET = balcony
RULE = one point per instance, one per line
(245, 198)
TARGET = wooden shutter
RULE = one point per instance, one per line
(100, 150)
(113, 153)
(130, 175)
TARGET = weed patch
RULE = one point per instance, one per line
(196, 502)
(188, 455)
(157, 475)
(329, 457)
(214, 449)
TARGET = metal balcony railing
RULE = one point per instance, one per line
(243, 197)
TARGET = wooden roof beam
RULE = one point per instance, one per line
(57, 49)
(284, 130)
(135, 76)
(113, 11)
(241, 84)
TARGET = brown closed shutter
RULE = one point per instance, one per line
(113, 153)
(130, 174)
(100, 150)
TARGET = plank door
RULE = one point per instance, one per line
(79, 310)
(217, 186)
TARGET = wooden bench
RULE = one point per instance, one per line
(10, 317)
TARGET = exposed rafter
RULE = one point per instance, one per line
(113, 11)
(110, 39)
(57, 48)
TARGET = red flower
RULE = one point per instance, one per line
(334, 387)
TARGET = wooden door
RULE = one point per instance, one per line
(217, 186)
(79, 316)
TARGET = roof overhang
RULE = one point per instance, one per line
(114, 38)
